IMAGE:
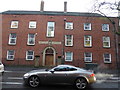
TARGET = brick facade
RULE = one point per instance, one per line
(78, 49)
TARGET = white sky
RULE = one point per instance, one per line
(49, 5)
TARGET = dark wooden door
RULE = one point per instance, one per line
(49, 60)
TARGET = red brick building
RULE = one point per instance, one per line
(48, 38)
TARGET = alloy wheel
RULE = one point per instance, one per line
(34, 81)
(81, 83)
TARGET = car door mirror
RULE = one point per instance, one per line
(52, 71)
(46, 69)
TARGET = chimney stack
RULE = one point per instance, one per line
(42, 6)
(65, 7)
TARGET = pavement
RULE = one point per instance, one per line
(100, 74)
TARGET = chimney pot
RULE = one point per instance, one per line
(65, 7)
(42, 6)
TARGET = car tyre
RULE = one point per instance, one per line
(34, 81)
(81, 83)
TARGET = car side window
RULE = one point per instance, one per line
(72, 69)
(65, 69)
(61, 69)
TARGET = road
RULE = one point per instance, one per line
(13, 80)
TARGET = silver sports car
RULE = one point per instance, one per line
(61, 74)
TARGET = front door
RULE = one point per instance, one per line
(49, 57)
(49, 60)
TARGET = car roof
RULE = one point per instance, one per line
(65, 66)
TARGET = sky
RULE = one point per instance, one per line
(49, 5)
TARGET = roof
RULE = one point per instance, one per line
(51, 13)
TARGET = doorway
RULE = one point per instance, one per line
(49, 56)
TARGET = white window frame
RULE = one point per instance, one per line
(85, 58)
(107, 58)
(107, 41)
(50, 32)
(71, 57)
(68, 40)
(9, 56)
(29, 55)
(32, 24)
(29, 38)
(87, 40)
(69, 25)
(87, 26)
(12, 38)
(105, 27)
(14, 24)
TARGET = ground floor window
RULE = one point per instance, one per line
(68, 56)
(107, 58)
(88, 57)
(10, 54)
(29, 55)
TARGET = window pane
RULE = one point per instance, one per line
(10, 55)
(50, 29)
(87, 26)
(32, 24)
(87, 41)
(107, 58)
(31, 39)
(68, 56)
(69, 25)
(14, 24)
(69, 40)
(29, 55)
(106, 41)
(13, 35)
(105, 27)
(88, 57)
(12, 38)
(11, 52)
(30, 52)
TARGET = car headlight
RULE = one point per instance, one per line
(26, 75)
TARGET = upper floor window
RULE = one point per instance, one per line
(14, 24)
(12, 39)
(31, 39)
(50, 29)
(68, 56)
(69, 25)
(106, 41)
(32, 24)
(105, 27)
(68, 40)
(87, 26)
(87, 41)
(107, 58)
(29, 55)
(88, 57)
(10, 54)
